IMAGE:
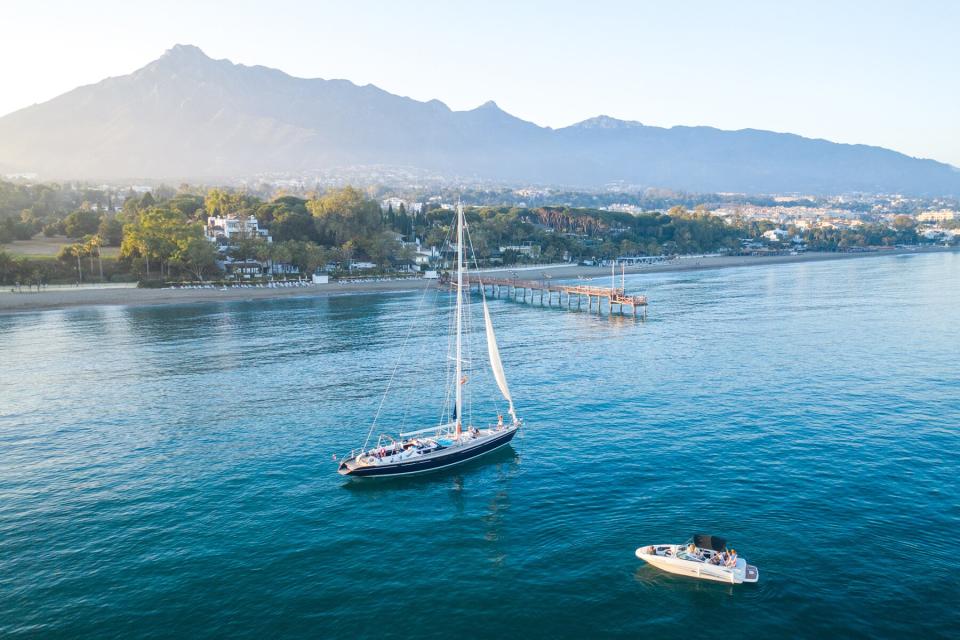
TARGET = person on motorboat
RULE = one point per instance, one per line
(694, 552)
(731, 558)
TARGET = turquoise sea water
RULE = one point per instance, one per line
(167, 471)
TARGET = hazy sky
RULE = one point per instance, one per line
(884, 73)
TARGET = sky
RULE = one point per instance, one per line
(882, 72)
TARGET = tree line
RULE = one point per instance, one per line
(160, 234)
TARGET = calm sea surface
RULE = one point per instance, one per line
(167, 471)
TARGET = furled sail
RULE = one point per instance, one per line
(495, 363)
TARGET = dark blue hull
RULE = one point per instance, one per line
(435, 463)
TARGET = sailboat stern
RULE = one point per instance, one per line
(346, 468)
(352, 465)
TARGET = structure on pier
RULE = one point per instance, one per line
(564, 293)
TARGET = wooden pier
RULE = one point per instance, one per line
(565, 294)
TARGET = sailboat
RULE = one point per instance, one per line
(450, 442)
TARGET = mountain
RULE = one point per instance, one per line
(187, 116)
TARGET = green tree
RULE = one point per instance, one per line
(278, 252)
(345, 214)
(383, 249)
(157, 235)
(307, 256)
(92, 246)
(198, 256)
(220, 202)
(110, 230)
(248, 248)
(9, 268)
(81, 223)
(904, 223)
(73, 251)
(348, 249)
(293, 225)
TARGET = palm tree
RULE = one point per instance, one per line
(91, 246)
(77, 251)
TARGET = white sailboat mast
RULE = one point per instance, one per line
(459, 378)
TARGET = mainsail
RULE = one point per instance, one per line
(494, 352)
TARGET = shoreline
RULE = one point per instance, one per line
(127, 296)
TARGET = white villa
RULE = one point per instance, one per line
(424, 255)
(231, 227)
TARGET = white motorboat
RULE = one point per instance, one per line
(703, 556)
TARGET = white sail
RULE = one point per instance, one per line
(495, 363)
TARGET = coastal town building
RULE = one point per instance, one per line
(244, 269)
(526, 249)
(423, 255)
(231, 227)
(227, 231)
(635, 261)
(396, 203)
(625, 208)
(943, 215)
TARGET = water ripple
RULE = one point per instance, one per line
(167, 471)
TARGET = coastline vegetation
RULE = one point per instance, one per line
(159, 235)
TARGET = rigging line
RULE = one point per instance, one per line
(396, 366)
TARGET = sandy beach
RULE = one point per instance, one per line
(64, 297)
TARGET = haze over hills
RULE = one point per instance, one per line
(187, 116)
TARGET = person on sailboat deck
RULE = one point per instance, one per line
(499, 420)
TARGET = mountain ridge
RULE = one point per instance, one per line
(186, 115)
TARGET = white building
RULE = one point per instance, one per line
(424, 255)
(938, 216)
(625, 208)
(526, 249)
(409, 207)
(232, 227)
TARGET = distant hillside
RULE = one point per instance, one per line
(188, 116)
